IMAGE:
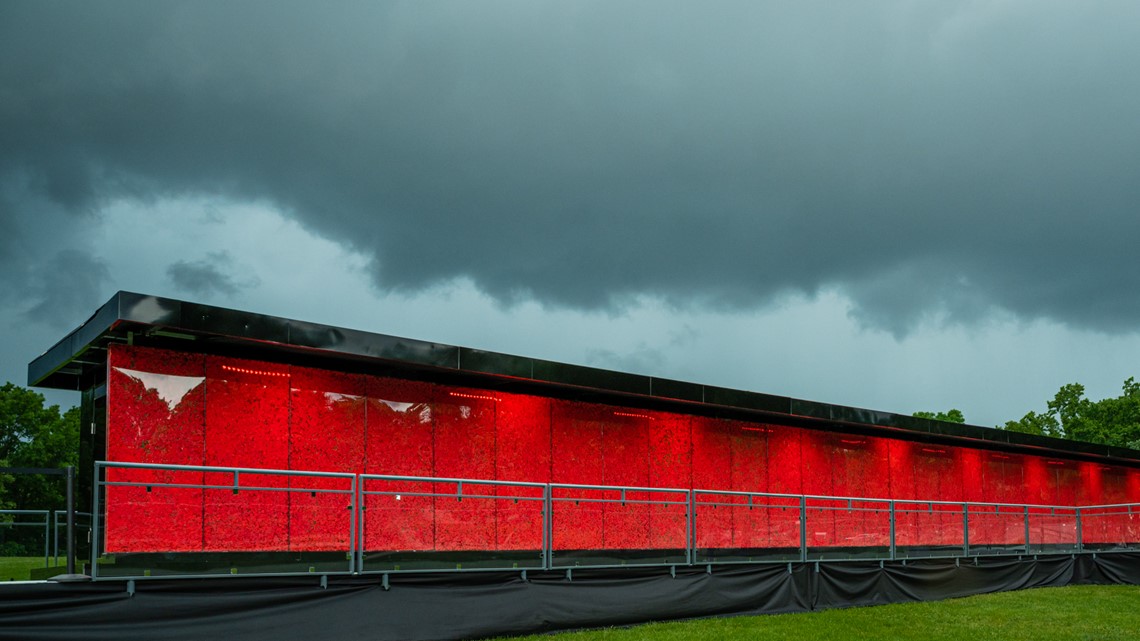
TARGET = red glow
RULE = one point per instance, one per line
(302, 418)
(144, 427)
(247, 421)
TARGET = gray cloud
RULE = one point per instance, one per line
(206, 276)
(66, 288)
(931, 160)
(51, 276)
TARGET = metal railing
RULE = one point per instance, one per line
(233, 508)
(607, 526)
(69, 513)
(255, 521)
(51, 521)
(405, 518)
(28, 518)
(59, 528)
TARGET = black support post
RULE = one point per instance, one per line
(71, 519)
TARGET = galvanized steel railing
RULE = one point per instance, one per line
(385, 524)
(52, 521)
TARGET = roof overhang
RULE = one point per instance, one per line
(164, 322)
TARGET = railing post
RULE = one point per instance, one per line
(356, 535)
(893, 531)
(1027, 542)
(547, 526)
(691, 528)
(965, 529)
(95, 524)
(70, 521)
(47, 537)
(803, 529)
(1080, 534)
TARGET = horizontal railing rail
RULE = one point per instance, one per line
(233, 511)
(375, 523)
(27, 518)
(422, 511)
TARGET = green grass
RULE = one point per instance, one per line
(17, 568)
(1076, 613)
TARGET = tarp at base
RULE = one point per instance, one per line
(474, 605)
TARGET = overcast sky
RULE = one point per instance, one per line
(900, 205)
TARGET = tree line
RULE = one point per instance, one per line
(1072, 415)
(35, 436)
(32, 435)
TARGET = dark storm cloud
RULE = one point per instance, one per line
(66, 287)
(929, 159)
(50, 276)
(204, 277)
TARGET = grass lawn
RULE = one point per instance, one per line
(1101, 613)
(16, 568)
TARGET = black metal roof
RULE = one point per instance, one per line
(141, 319)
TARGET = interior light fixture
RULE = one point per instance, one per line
(255, 372)
(481, 397)
(633, 415)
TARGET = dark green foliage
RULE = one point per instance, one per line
(1111, 421)
(32, 435)
(952, 416)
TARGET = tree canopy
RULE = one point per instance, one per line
(1071, 415)
(950, 416)
(32, 435)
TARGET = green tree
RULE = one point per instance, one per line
(1071, 415)
(1034, 423)
(1114, 421)
(32, 435)
(1073, 411)
(952, 416)
(5, 482)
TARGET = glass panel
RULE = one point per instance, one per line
(421, 525)
(152, 511)
(847, 529)
(604, 527)
(997, 530)
(743, 528)
(1115, 528)
(251, 536)
(928, 529)
(1052, 530)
